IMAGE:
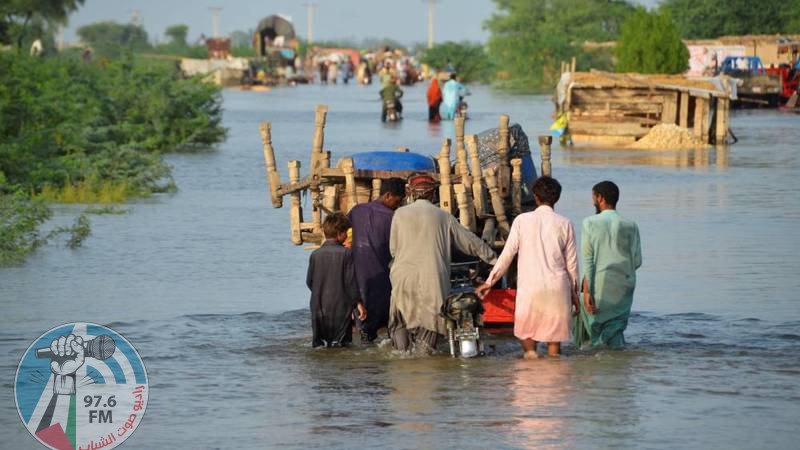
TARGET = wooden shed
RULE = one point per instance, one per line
(610, 108)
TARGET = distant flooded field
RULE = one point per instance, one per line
(207, 286)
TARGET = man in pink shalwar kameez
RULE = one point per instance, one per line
(547, 272)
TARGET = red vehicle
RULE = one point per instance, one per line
(789, 73)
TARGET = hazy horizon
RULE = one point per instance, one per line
(333, 19)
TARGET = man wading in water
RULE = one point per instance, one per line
(612, 252)
(371, 225)
(421, 240)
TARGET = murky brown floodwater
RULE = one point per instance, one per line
(207, 286)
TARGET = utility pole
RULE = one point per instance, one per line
(136, 16)
(310, 21)
(430, 21)
(215, 20)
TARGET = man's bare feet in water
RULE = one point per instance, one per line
(529, 348)
(554, 349)
(530, 355)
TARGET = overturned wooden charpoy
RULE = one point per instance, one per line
(485, 198)
(610, 108)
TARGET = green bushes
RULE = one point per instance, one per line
(91, 133)
(468, 59)
(649, 42)
(65, 122)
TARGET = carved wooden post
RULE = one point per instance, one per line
(544, 148)
(445, 188)
(269, 160)
(461, 151)
(330, 198)
(349, 183)
(478, 194)
(466, 182)
(376, 189)
(320, 116)
(516, 186)
(465, 215)
(504, 171)
(295, 212)
(317, 162)
(497, 202)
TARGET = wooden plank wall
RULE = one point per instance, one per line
(621, 115)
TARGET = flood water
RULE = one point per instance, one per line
(207, 286)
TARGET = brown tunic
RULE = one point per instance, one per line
(421, 240)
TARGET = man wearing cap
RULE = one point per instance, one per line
(421, 238)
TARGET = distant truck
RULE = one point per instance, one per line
(759, 87)
(762, 86)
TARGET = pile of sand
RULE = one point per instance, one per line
(669, 137)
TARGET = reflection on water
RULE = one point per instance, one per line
(200, 281)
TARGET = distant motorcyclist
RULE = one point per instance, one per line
(391, 93)
(452, 93)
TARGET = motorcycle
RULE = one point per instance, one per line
(461, 110)
(462, 311)
(391, 112)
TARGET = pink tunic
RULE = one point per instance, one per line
(547, 273)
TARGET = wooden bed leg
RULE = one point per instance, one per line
(273, 177)
(445, 188)
(516, 186)
(296, 211)
(478, 193)
(504, 171)
(497, 202)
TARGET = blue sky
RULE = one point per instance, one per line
(403, 20)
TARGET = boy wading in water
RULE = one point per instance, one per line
(547, 268)
(334, 292)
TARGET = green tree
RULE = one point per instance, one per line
(469, 59)
(177, 33)
(649, 42)
(20, 19)
(530, 38)
(112, 39)
(704, 19)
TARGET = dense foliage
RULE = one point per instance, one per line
(112, 39)
(530, 38)
(24, 20)
(703, 19)
(63, 121)
(20, 218)
(649, 42)
(468, 59)
(77, 132)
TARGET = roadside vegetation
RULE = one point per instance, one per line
(74, 130)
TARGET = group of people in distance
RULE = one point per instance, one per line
(443, 102)
(397, 272)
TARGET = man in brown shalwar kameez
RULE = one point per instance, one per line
(420, 242)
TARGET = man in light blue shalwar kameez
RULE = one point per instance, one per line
(451, 97)
(611, 253)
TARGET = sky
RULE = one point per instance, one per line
(402, 20)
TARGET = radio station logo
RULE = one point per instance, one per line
(81, 386)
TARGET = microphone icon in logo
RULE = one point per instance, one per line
(68, 353)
